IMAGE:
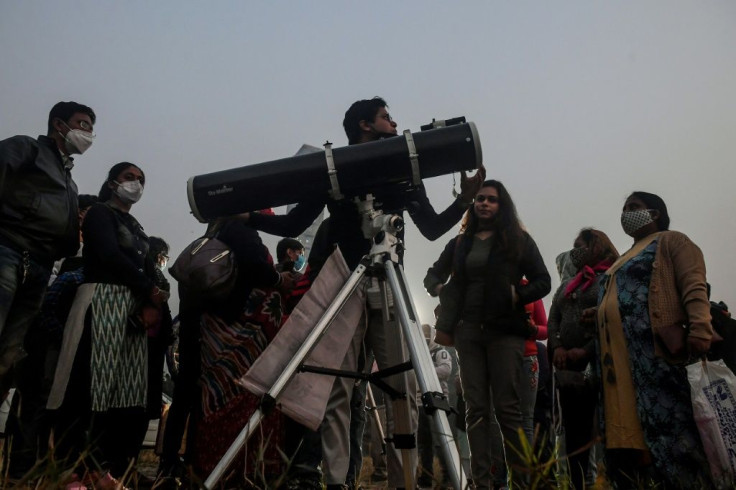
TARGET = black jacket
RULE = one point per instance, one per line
(115, 250)
(38, 200)
(344, 225)
(503, 272)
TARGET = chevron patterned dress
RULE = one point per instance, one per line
(119, 352)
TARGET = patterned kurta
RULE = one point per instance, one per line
(119, 351)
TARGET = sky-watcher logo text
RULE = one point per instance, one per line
(222, 190)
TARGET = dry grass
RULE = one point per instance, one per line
(50, 474)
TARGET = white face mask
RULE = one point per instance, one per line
(77, 141)
(130, 191)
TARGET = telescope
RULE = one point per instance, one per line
(445, 147)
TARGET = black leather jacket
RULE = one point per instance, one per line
(38, 200)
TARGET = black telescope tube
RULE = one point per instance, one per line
(360, 170)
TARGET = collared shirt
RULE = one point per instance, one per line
(67, 161)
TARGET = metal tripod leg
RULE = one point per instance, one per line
(429, 384)
(288, 373)
(376, 417)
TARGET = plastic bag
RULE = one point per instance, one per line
(712, 388)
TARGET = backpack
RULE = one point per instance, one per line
(206, 268)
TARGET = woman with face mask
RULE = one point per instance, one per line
(100, 386)
(483, 314)
(657, 285)
(571, 344)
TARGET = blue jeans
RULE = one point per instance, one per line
(528, 394)
(22, 285)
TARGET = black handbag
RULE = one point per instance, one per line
(206, 268)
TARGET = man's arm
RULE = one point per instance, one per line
(13, 153)
(288, 225)
(432, 225)
(250, 253)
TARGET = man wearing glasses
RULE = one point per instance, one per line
(38, 220)
(366, 121)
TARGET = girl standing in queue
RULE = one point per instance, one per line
(483, 315)
(571, 345)
(101, 374)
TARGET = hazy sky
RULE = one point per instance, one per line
(577, 103)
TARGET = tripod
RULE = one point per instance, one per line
(382, 262)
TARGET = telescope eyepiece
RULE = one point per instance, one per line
(395, 223)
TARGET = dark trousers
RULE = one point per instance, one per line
(490, 371)
(357, 428)
(111, 439)
(578, 409)
(187, 396)
(304, 447)
(31, 428)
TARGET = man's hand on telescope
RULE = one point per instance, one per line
(469, 186)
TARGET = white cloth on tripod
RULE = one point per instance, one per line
(305, 397)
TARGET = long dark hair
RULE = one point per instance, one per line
(105, 191)
(506, 224)
(653, 201)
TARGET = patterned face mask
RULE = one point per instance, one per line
(632, 221)
(578, 256)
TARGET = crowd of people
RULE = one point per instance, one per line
(85, 327)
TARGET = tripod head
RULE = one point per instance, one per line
(381, 230)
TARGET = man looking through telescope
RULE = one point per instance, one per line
(366, 121)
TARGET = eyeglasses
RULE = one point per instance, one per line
(387, 117)
(83, 125)
(483, 198)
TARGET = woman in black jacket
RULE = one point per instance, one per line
(483, 315)
(101, 374)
